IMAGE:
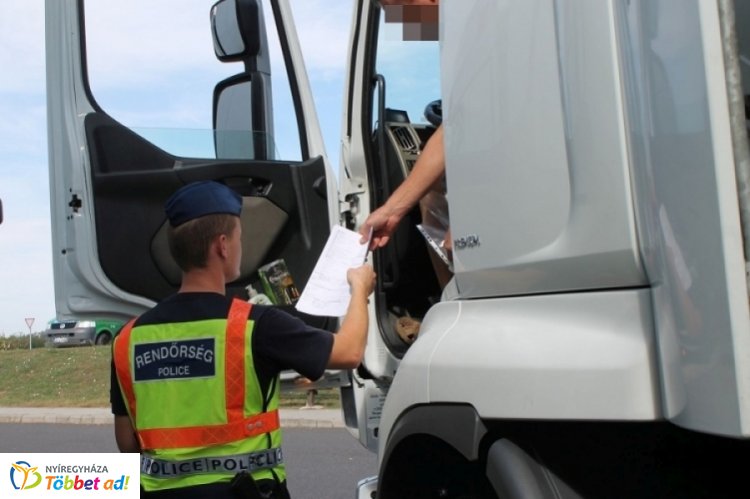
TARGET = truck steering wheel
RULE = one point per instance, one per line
(433, 112)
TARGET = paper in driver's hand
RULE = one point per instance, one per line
(327, 292)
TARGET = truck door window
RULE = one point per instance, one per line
(156, 74)
(406, 78)
(411, 69)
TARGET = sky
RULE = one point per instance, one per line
(26, 279)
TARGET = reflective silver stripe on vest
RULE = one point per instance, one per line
(159, 468)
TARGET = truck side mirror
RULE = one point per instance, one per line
(236, 29)
(243, 117)
(1, 211)
(242, 104)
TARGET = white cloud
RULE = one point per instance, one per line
(26, 288)
(323, 30)
(23, 129)
(155, 37)
(21, 46)
(26, 272)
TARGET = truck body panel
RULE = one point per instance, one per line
(688, 209)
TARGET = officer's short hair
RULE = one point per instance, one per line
(189, 242)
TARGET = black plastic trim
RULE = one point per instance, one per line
(352, 71)
(458, 425)
(130, 187)
(84, 60)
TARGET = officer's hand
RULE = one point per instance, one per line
(361, 278)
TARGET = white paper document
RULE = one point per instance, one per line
(327, 292)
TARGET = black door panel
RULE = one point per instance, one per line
(285, 212)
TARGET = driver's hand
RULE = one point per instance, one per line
(382, 222)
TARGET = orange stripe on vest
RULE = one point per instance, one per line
(202, 436)
(121, 354)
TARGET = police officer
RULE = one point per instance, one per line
(196, 378)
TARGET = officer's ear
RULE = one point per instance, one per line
(221, 243)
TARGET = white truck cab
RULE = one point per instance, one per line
(595, 338)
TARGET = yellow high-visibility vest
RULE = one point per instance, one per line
(195, 401)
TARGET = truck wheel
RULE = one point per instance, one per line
(104, 338)
(424, 467)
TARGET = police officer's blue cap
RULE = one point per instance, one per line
(200, 199)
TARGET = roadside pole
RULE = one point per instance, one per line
(29, 322)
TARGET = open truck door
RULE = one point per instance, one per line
(109, 180)
(391, 108)
(110, 175)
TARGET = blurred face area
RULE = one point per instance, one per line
(419, 18)
(233, 252)
(409, 2)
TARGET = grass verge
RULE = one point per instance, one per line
(79, 377)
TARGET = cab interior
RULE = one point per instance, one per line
(399, 128)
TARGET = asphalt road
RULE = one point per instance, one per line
(321, 463)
